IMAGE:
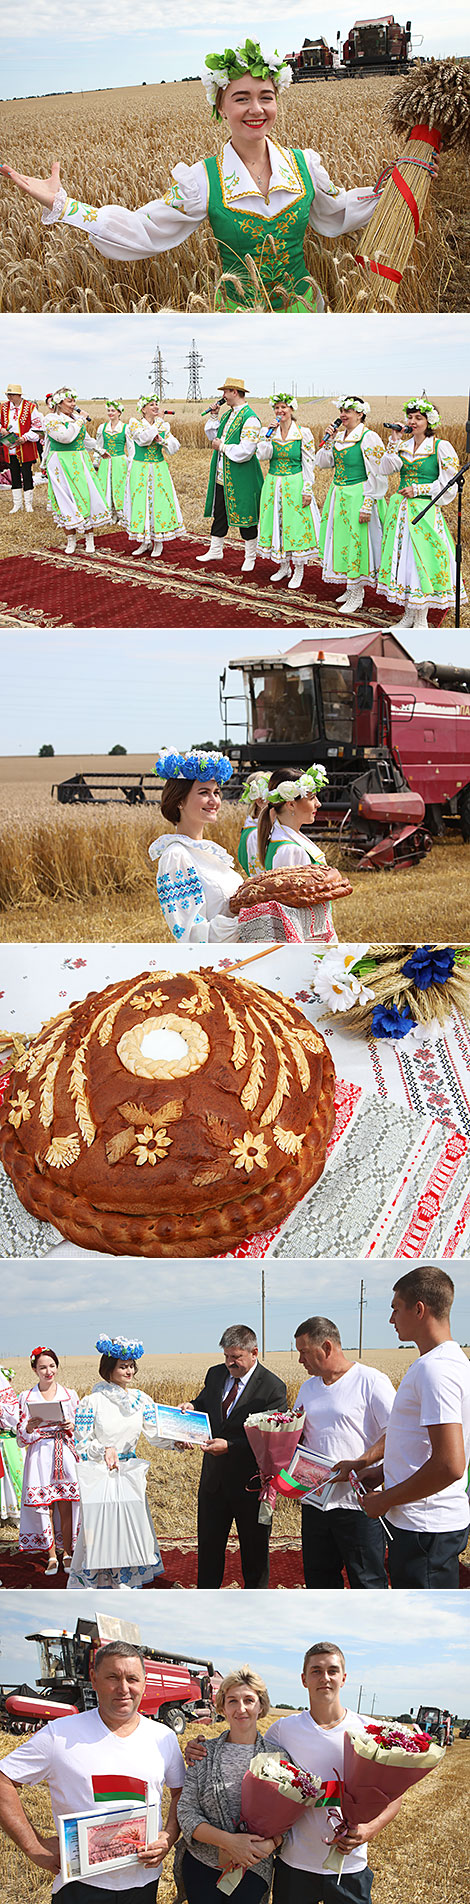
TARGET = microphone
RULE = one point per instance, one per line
(212, 406)
(270, 432)
(329, 434)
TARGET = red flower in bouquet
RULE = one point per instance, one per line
(380, 1764)
(272, 1792)
(273, 1438)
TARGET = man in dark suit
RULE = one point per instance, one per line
(232, 1390)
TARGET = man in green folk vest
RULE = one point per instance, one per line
(235, 480)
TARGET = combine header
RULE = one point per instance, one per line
(177, 1689)
(394, 738)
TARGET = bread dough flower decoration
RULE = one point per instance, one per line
(21, 1107)
(151, 1145)
(221, 68)
(248, 1151)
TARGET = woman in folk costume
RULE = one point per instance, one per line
(49, 1502)
(353, 513)
(292, 803)
(417, 567)
(151, 509)
(254, 796)
(19, 432)
(11, 1456)
(110, 445)
(235, 480)
(289, 520)
(108, 1426)
(259, 196)
(196, 877)
(74, 498)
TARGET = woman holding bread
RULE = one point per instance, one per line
(291, 804)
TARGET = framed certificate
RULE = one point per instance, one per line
(174, 1424)
(313, 1474)
(106, 1839)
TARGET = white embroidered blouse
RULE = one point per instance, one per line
(166, 222)
(113, 1417)
(265, 449)
(372, 448)
(195, 880)
(447, 459)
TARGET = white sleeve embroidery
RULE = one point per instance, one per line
(264, 448)
(159, 226)
(308, 459)
(181, 896)
(334, 210)
(448, 461)
(86, 1442)
(243, 451)
(376, 482)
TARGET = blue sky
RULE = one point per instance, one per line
(393, 355)
(100, 43)
(421, 1654)
(182, 1307)
(139, 697)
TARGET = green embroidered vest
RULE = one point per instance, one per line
(349, 464)
(69, 448)
(314, 853)
(238, 233)
(425, 471)
(148, 452)
(286, 458)
(245, 835)
(114, 441)
(243, 482)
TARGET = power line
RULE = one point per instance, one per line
(194, 363)
(157, 374)
(362, 1307)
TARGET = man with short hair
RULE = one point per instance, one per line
(314, 1740)
(426, 1450)
(69, 1753)
(230, 1481)
(345, 1405)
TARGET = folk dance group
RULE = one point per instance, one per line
(197, 878)
(69, 1503)
(119, 476)
(360, 540)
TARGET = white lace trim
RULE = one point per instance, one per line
(57, 209)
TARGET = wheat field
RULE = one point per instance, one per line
(422, 1857)
(136, 134)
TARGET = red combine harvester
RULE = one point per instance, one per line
(177, 1690)
(377, 46)
(394, 738)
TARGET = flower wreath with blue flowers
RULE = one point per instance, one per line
(196, 765)
(121, 1347)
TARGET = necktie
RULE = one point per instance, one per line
(229, 1398)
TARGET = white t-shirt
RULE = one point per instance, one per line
(345, 1417)
(68, 1752)
(322, 1752)
(435, 1389)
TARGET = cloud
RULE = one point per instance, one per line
(97, 19)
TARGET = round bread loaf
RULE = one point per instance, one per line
(169, 1115)
(291, 886)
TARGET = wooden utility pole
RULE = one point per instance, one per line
(362, 1307)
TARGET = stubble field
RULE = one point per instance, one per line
(120, 146)
(421, 1858)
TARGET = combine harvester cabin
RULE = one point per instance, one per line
(372, 46)
(394, 738)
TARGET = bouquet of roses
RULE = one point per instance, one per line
(272, 1791)
(273, 1439)
(379, 1765)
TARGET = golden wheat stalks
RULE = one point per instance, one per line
(432, 107)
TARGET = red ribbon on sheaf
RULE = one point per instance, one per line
(428, 135)
(381, 270)
(407, 194)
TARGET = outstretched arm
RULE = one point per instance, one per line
(115, 231)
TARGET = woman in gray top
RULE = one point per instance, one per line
(209, 1807)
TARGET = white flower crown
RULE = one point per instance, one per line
(426, 408)
(221, 68)
(352, 403)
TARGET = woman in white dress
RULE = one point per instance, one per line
(289, 517)
(292, 803)
(259, 197)
(152, 513)
(11, 1456)
(50, 1496)
(110, 458)
(354, 510)
(74, 499)
(195, 878)
(417, 569)
(108, 1425)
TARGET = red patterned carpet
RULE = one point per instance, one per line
(180, 1563)
(111, 590)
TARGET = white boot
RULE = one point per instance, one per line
(279, 575)
(420, 618)
(28, 502)
(407, 620)
(250, 556)
(70, 545)
(89, 543)
(343, 597)
(354, 599)
(17, 502)
(298, 575)
(158, 546)
(142, 549)
(215, 552)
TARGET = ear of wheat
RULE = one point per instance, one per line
(432, 108)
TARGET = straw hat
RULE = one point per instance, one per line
(14, 390)
(234, 383)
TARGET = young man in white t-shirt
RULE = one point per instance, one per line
(114, 1738)
(314, 1740)
(425, 1456)
(346, 1407)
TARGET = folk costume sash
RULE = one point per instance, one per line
(25, 452)
(349, 464)
(424, 470)
(240, 233)
(243, 482)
